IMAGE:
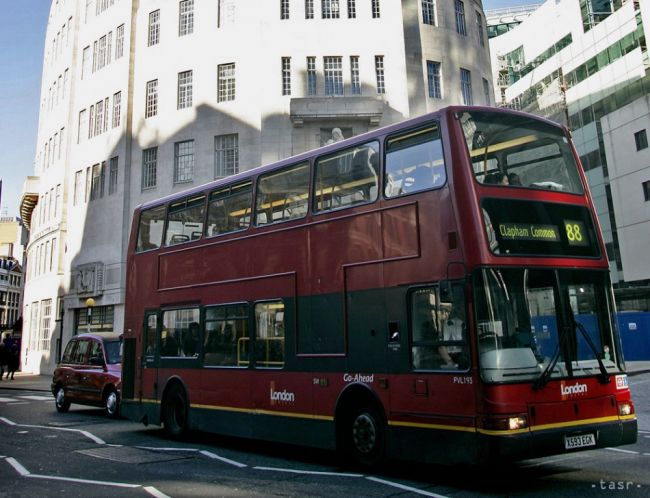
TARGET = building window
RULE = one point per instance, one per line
(309, 9)
(433, 80)
(97, 182)
(333, 68)
(429, 12)
(46, 314)
(119, 41)
(486, 91)
(185, 89)
(91, 122)
(101, 53)
(284, 9)
(460, 18)
(330, 9)
(226, 82)
(85, 61)
(379, 72)
(186, 18)
(154, 28)
(479, 29)
(352, 9)
(375, 9)
(117, 104)
(78, 188)
(151, 99)
(109, 46)
(183, 161)
(311, 75)
(355, 82)
(57, 201)
(641, 140)
(226, 155)
(149, 166)
(99, 118)
(466, 86)
(646, 190)
(112, 175)
(286, 75)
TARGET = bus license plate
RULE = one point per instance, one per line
(571, 442)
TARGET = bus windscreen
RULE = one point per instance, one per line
(517, 151)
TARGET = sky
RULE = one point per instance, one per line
(22, 34)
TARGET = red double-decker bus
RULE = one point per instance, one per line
(435, 290)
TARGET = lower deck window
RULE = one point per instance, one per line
(269, 334)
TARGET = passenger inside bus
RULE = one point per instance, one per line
(452, 330)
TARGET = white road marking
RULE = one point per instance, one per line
(623, 451)
(6, 400)
(85, 433)
(209, 454)
(37, 398)
(18, 467)
(405, 488)
(309, 472)
(154, 492)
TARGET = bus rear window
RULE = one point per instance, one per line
(150, 229)
(519, 151)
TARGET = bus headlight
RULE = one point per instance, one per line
(505, 423)
(515, 423)
(625, 408)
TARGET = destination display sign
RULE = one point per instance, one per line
(520, 227)
(519, 231)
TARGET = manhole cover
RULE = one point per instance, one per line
(130, 455)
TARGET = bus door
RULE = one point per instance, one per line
(439, 392)
(365, 319)
(148, 371)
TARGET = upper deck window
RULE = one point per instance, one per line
(414, 161)
(150, 229)
(347, 177)
(515, 150)
(282, 195)
(185, 220)
(229, 209)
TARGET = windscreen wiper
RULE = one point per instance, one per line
(604, 377)
(543, 379)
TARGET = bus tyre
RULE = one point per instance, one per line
(364, 437)
(62, 404)
(112, 403)
(175, 412)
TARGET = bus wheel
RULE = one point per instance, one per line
(364, 444)
(175, 412)
(62, 404)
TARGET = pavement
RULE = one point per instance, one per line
(33, 382)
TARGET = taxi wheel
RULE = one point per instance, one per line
(112, 403)
(62, 404)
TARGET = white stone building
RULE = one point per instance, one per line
(144, 98)
(585, 63)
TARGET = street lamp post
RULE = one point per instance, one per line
(90, 302)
